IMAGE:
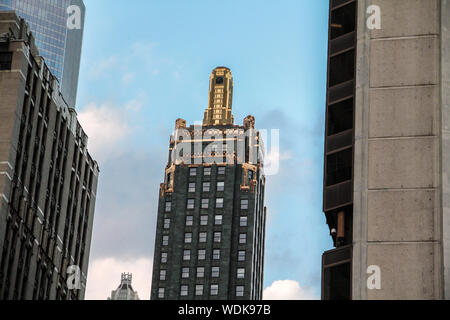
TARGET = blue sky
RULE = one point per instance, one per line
(146, 63)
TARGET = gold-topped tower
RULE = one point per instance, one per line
(220, 98)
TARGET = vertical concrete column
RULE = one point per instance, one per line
(397, 184)
(445, 141)
(360, 164)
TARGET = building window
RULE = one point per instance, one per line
(239, 291)
(243, 221)
(188, 237)
(216, 254)
(201, 254)
(200, 272)
(165, 241)
(241, 255)
(193, 172)
(185, 273)
(206, 186)
(220, 186)
(162, 275)
(190, 204)
(202, 237)
(207, 171)
(191, 187)
(199, 290)
(219, 203)
(241, 273)
(244, 204)
(205, 203)
(168, 206)
(203, 220)
(161, 292)
(215, 272)
(217, 236)
(187, 255)
(5, 60)
(163, 257)
(214, 290)
(242, 238)
(189, 220)
(218, 220)
(166, 223)
(221, 170)
(184, 291)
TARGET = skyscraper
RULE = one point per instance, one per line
(125, 290)
(48, 180)
(387, 150)
(211, 215)
(58, 44)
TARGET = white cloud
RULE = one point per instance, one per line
(127, 78)
(288, 290)
(135, 104)
(105, 126)
(104, 276)
(103, 67)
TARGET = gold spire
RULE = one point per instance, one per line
(220, 98)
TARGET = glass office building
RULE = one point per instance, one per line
(59, 45)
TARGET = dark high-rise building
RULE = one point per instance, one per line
(387, 150)
(211, 215)
(48, 180)
(58, 36)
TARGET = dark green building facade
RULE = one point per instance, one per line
(211, 215)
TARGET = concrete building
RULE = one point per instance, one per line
(211, 215)
(58, 44)
(48, 180)
(125, 290)
(387, 150)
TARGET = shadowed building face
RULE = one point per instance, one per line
(211, 215)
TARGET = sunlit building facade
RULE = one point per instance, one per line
(48, 180)
(387, 151)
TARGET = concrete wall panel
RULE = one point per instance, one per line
(404, 62)
(401, 163)
(407, 18)
(401, 112)
(401, 215)
(407, 270)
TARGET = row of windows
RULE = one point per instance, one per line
(199, 290)
(202, 238)
(243, 221)
(201, 254)
(206, 187)
(205, 204)
(200, 273)
(203, 235)
(207, 171)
